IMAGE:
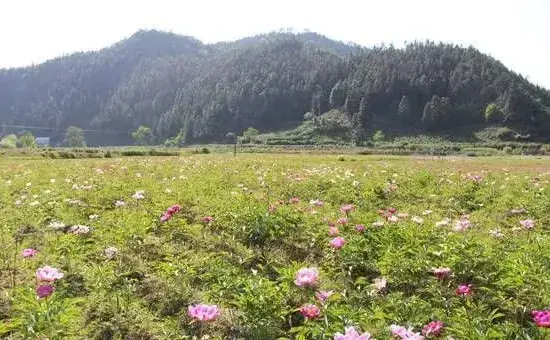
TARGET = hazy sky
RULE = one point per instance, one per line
(516, 32)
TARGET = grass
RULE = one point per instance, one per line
(246, 258)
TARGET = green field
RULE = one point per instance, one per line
(247, 225)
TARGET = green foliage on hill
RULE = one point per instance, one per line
(190, 92)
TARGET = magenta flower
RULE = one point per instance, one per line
(310, 311)
(541, 318)
(208, 219)
(337, 242)
(29, 252)
(352, 334)
(203, 312)
(332, 231)
(441, 273)
(433, 328)
(527, 224)
(347, 208)
(43, 291)
(360, 228)
(48, 274)
(323, 295)
(294, 200)
(306, 277)
(169, 213)
(464, 290)
(342, 221)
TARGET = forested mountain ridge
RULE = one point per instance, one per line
(197, 92)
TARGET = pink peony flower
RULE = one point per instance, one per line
(332, 231)
(294, 200)
(306, 277)
(433, 328)
(404, 333)
(474, 177)
(169, 213)
(347, 208)
(43, 291)
(393, 218)
(527, 224)
(317, 203)
(352, 334)
(342, 221)
(464, 290)
(360, 228)
(208, 219)
(310, 311)
(323, 295)
(203, 312)
(29, 252)
(337, 242)
(541, 318)
(48, 274)
(462, 225)
(441, 273)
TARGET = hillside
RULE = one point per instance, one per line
(196, 92)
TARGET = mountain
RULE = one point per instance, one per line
(195, 92)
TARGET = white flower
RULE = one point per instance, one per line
(426, 212)
(52, 180)
(29, 184)
(93, 217)
(110, 252)
(496, 233)
(99, 171)
(380, 283)
(79, 230)
(33, 203)
(56, 225)
(168, 191)
(393, 218)
(378, 224)
(18, 202)
(443, 222)
(417, 219)
(139, 195)
(120, 203)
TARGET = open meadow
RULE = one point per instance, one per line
(275, 247)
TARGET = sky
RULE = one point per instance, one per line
(513, 31)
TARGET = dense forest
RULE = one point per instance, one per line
(190, 92)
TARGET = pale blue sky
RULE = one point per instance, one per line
(513, 31)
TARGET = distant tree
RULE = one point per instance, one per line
(404, 109)
(27, 140)
(436, 111)
(143, 135)
(378, 136)
(9, 141)
(493, 114)
(364, 111)
(250, 134)
(337, 96)
(357, 128)
(74, 137)
(309, 116)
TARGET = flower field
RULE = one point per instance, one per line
(275, 247)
